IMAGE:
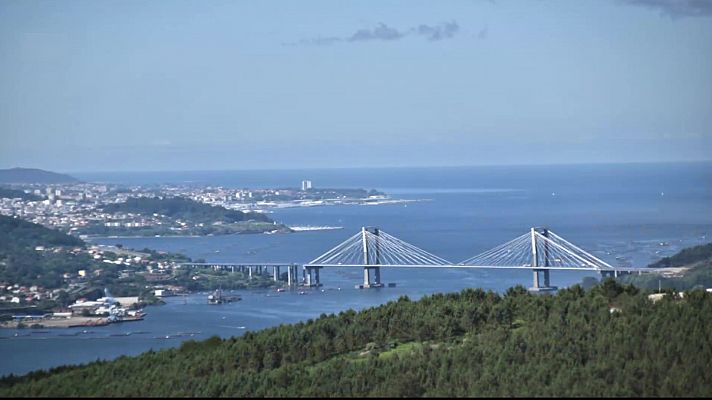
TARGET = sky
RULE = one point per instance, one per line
(130, 85)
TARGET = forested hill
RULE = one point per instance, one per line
(19, 261)
(16, 232)
(697, 260)
(33, 175)
(686, 257)
(182, 208)
(609, 341)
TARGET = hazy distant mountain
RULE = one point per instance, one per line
(33, 175)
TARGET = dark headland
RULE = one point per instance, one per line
(33, 175)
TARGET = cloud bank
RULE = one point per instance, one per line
(383, 32)
(676, 8)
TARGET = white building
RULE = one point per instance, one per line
(306, 185)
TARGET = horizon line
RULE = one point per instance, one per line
(702, 161)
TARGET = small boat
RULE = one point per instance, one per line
(281, 289)
(218, 298)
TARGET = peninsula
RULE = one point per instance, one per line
(88, 209)
(33, 175)
(162, 216)
(44, 271)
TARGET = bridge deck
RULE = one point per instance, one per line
(254, 264)
(527, 267)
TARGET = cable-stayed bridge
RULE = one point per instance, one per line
(539, 250)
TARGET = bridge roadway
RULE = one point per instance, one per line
(252, 269)
(540, 250)
(310, 273)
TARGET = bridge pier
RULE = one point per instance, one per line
(311, 276)
(291, 275)
(275, 273)
(368, 259)
(536, 269)
(609, 274)
(542, 285)
(367, 274)
(249, 270)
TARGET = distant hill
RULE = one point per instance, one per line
(699, 275)
(33, 175)
(182, 208)
(16, 232)
(19, 261)
(686, 256)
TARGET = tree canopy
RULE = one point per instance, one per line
(182, 208)
(608, 341)
(20, 263)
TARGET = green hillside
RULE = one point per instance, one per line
(472, 343)
(19, 261)
(182, 208)
(699, 275)
(685, 257)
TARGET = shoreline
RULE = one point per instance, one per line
(89, 238)
(292, 229)
(65, 323)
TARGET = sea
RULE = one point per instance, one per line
(625, 214)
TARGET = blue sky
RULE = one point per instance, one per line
(179, 85)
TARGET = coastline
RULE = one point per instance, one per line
(292, 229)
(90, 237)
(64, 323)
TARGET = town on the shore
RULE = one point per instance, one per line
(53, 277)
(97, 209)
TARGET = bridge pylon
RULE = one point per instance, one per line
(367, 270)
(370, 249)
(537, 267)
(541, 251)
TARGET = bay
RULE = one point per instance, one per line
(633, 213)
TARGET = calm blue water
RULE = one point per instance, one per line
(623, 211)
